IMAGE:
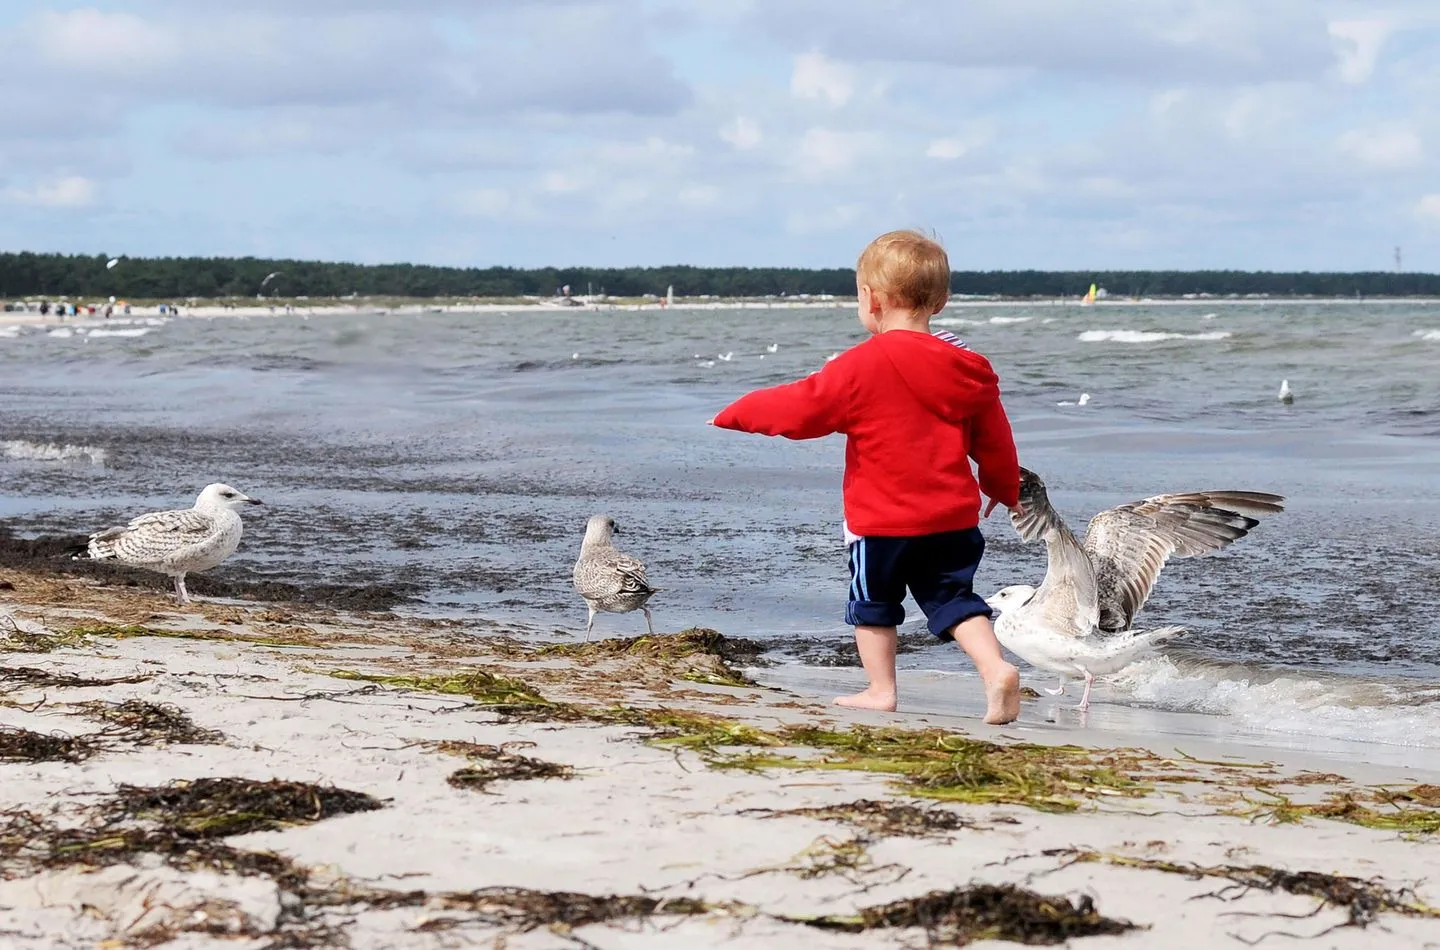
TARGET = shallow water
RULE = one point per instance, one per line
(463, 452)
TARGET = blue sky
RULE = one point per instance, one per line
(1285, 134)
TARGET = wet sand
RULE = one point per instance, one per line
(459, 784)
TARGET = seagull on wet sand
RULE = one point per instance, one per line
(608, 580)
(1078, 622)
(177, 542)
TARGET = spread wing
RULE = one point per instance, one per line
(1129, 545)
(1068, 595)
(153, 537)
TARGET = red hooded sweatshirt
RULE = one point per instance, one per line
(915, 409)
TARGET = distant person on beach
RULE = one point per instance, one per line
(915, 407)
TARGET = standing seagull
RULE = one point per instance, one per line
(1099, 586)
(178, 542)
(608, 580)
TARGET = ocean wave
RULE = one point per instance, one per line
(956, 322)
(1002, 321)
(21, 451)
(10, 332)
(1290, 702)
(135, 331)
(1146, 336)
(1432, 336)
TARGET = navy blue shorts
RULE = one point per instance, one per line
(939, 570)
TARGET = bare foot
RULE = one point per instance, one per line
(1002, 696)
(885, 702)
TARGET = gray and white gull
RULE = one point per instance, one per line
(608, 580)
(1077, 623)
(178, 542)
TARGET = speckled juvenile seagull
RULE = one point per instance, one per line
(608, 580)
(1099, 586)
(178, 542)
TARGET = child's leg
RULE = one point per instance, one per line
(877, 655)
(1002, 681)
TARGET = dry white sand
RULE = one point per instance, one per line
(638, 817)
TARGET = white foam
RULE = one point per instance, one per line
(956, 322)
(1001, 321)
(137, 331)
(61, 333)
(10, 332)
(1432, 336)
(22, 451)
(1345, 708)
(1146, 336)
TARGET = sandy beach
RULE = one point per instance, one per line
(247, 775)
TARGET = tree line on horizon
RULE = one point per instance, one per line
(31, 275)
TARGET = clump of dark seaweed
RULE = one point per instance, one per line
(698, 654)
(28, 676)
(499, 764)
(982, 912)
(16, 640)
(146, 723)
(1362, 900)
(880, 817)
(26, 745)
(219, 807)
(523, 909)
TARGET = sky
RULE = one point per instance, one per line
(1046, 134)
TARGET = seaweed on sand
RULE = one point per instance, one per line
(981, 912)
(502, 694)
(523, 909)
(880, 817)
(146, 723)
(699, 655)
(1404, 810)
(25, 745)
(28, 677)
(1363, 900)
(218, 807)
(499, 764)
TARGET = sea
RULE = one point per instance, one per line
(457, 456)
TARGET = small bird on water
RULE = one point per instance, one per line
(177, 542)
(608, 580)
(1285, 394)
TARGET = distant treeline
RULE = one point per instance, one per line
(60, 275)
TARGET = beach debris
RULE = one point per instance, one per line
(499, 764)
(27, 677)
(178, 542)
(608, 580)
(1100, 585)
(879, 817)
(1286, 394)
(698, 655)
(1362, 900)
(25, 745)
(980, 912)
(220, 807)
(146, 723)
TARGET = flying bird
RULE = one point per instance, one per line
(177, 542)
(1078, 622)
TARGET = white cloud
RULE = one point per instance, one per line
(485, 203)
(824, 220)
(1428, 208)
(823, 152)
(742, 133)
(562, 183)
(1358, 44)
(72, 191)
(652, 153)
(699, 196)
(946, 149)
(1392, 146)
(817, 77)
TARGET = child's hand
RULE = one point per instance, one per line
(710, 421)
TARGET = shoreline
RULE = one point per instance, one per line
(418, 308)
(497, 790)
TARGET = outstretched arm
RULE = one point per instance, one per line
(815, 406)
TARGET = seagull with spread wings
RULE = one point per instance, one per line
(1077, 623)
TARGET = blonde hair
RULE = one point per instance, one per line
(908, 268)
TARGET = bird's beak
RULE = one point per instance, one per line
(253, 501)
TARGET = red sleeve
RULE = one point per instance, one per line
(992, 446)
(817, 405)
